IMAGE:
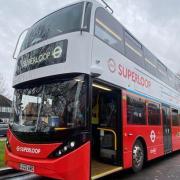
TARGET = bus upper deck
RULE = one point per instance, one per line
(91, 31)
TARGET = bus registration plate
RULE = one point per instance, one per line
(26, 167)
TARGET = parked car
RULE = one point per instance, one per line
(3, 129)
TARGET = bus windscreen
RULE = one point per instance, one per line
(51, 107)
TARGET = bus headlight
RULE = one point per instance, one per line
(72, 144)
(8, 145)
(64, 149)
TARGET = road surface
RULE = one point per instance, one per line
(165, 168)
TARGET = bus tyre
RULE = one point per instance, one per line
(137, 156)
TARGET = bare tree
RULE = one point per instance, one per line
(4, 87)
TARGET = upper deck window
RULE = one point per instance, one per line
(162, 72)
(162, 69)
(108, 29)
(62, 21)
(150, 62)
(133, 49)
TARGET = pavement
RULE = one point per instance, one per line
(165, 168)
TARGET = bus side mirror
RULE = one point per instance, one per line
(83, 29)
(19, 43)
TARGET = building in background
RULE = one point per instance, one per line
(5, 109)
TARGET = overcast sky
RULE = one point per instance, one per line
(156, 23)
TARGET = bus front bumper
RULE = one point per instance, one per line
(73, 166)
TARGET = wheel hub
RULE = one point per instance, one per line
(137, 155)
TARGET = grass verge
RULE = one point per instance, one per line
(2, 143)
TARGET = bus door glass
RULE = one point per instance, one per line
(108, 124)
(167, 129)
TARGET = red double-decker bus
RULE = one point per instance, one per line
(89, 99)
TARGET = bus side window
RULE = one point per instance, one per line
(136, 110)
(175, 121)
(109, 30)
(154, 116)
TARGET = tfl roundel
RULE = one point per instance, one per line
(153, 136)
(111, 65)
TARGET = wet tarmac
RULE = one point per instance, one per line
(165, 168)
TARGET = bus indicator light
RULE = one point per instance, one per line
(59, 152)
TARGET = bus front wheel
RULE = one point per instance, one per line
(137, 156)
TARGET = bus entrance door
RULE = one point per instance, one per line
(167, 129)
(108, 126)
(106, 131)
